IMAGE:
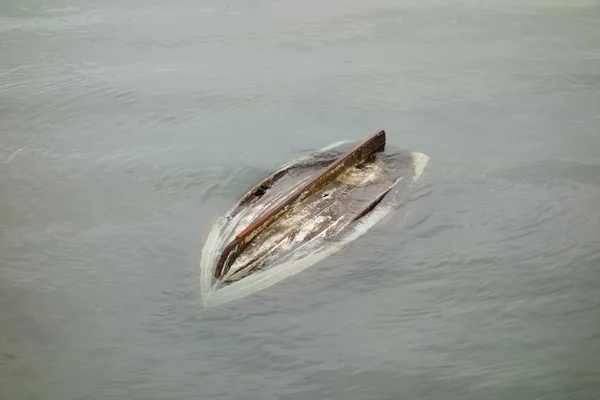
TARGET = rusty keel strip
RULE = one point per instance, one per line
(374, 143)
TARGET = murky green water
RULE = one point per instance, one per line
(126, 126)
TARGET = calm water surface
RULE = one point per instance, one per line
(126, 126)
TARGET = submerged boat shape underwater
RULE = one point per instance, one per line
(303, 213)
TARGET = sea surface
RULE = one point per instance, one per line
(126, 127)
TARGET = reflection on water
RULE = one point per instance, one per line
(126, 128)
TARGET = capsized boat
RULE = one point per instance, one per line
(304, 212)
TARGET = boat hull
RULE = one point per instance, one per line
(249, 249)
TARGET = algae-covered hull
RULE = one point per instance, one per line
(304, 212)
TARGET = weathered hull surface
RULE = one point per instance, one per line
(304, 212)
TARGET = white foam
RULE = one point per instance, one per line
(420, 160)
(334, 145)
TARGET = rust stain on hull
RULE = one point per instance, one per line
(362, 153)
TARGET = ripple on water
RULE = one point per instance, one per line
(510, 220)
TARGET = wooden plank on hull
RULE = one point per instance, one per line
(374, 143)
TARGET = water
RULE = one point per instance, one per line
(126, 127)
